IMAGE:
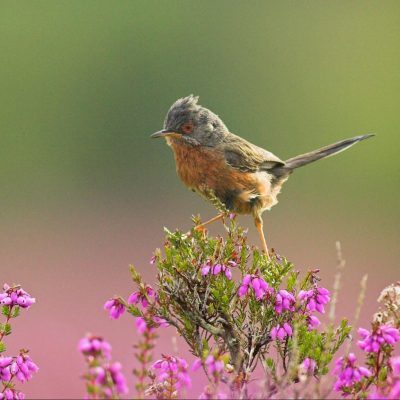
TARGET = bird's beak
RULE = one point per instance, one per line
(163, 133)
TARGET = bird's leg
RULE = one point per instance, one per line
(259, 225)
(201, 226)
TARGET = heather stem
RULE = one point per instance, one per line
(7, 320)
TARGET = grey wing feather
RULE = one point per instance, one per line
(245, 156)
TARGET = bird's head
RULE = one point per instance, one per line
(188, 121)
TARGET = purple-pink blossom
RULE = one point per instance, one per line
(281, 332)
(12, 394)
(5, 373)
(259, 286)
(139, 297)
(112, 371)
(94, 346)
(23, 368)
(16, 296)
(313, 322)
(348, 373)
(395, 364)
(142, 325)
(114, 307)
(284, 301)
(308, 366)
(314, 299)
(173, 371)
(214, 364)
(217, 269)
(373, 341)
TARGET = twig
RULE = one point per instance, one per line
(360, 302)
(336, 284)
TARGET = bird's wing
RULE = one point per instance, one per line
(245, 156)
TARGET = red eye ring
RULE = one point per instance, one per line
(187, 127)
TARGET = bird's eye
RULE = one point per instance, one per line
(187, 127)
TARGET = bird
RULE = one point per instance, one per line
(212, 161)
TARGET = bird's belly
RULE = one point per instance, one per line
(203, 169)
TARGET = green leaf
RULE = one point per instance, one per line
(134, 274)
(15, 312)
(270, 363)
(5, 310)
(382, 374)
(134, 311)
(5, 329)
(2, 347)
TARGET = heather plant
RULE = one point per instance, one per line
(20, 367)
(379, 377)
(243, 316)
(104, 378)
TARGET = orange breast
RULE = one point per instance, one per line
(242, 192)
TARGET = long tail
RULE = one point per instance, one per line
(323, 152)
(283, 171)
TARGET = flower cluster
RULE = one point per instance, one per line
(348, 373)
(109, 376)
(104, 378)
(284, 301)
(215, 367)
(12, 394)
(23, 367)
(390, 390)
(142, 325)
(281, 332)
(308, 366)
(216, 269)
(94, 346)
(312, 321)
(15, 296)
(257, 284)
(139, 297)
(171, 375)
(372, 342)
(314, 299)
(20, 367)
(115, 307)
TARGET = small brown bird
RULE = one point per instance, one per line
(243, 176)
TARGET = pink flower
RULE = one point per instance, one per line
(113, 372)
(259, 286)
(313, 322)
(348, 373)
(281, 332)
(114, 307)
(217, 269)
(94, 346)
(373, 341)
(197, 363)
(12, 394)
(395, 364)
(284, 301)
(141, 325)
(16, 296)
(172, 371)
(314, 299)
(308, 365)
(23, 368)
(5, 373)
(214, 364)
(138, 297)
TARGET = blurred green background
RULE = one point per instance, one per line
(84, 191)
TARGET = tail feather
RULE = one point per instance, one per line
(283, 171)
(323, 152)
